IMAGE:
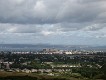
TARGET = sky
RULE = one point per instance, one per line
(67, 22)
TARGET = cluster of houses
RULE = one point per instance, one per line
(5, 65)
(50, 72)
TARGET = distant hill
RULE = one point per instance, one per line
(42, 46)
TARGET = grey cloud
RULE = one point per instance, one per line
(49, 11)
(86, 1)
(37, 16)
(47, 29)
(80, 26)
(94, 27)
(53, 21)
(19, 28)
(29, 28)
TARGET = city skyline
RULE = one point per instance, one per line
(66, 22)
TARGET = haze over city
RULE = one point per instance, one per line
(67, 22)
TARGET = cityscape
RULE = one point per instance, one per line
(75, 64)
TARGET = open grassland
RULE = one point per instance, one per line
(30, 76)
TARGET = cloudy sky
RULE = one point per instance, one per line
(74, 22)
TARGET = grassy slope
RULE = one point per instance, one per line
(25, 76)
